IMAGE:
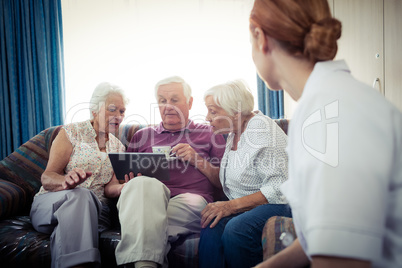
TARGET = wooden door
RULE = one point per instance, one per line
(361, 43)
(393, 51)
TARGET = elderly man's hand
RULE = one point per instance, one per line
(185, 152)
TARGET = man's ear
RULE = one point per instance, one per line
(190, 103)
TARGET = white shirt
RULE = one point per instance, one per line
(345, 169)
(259, 163)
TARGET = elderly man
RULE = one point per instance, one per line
(154, 214)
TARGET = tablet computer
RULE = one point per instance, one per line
(148, 164)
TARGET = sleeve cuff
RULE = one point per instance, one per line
(355, 244)
(273, 196)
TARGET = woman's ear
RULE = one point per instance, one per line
(236, 115)
(261, 39)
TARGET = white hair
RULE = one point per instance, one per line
(234, 97)
(101, 93)
(174, 79)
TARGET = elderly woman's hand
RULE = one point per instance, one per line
(74, 178)
(217, 210)
(130, 176)
(186, 153)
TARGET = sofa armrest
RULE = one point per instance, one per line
(277, 234)
(13, 199)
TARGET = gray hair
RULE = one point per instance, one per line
(234, 97)
(174, 79)
(101, 93)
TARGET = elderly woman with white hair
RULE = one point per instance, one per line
(71, 204)
(253, 167)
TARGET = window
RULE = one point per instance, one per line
(136, 43)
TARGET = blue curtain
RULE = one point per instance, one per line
(31, 70)
(270, 102)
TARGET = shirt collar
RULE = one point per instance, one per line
(321, 70)
(90, 128)
(330, 66)
(189, 127)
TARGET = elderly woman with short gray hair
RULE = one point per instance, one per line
(253, 167)
(71, 204)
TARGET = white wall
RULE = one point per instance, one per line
(135, 43)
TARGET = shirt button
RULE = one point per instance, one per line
(172, 135)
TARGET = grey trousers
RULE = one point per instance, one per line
(151, 220)
(71, 217)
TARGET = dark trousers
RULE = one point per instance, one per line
(236, 240)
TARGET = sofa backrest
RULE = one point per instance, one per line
(20, 172)
(283, 124)
(25, 165)
(126, 132)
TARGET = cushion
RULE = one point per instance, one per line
(26, 164)
(21, 245)
(13, 199)
(283, 124)
(278, 233)
(126, 133)
(184, 251)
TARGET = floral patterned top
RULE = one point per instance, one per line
(86, 155)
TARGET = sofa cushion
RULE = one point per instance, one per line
(126, 133)
(21, 245)
(185, 252)
(278, 233)
(12, 199)
(283, 124)
(25, 165)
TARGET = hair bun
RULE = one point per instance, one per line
(320, 43)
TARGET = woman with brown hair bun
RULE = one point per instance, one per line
(345, 142)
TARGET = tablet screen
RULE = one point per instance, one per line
(148, 164)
